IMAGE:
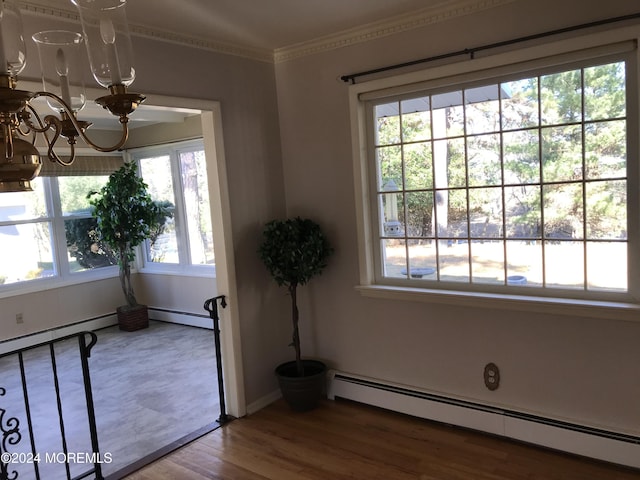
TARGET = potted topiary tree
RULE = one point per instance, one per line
(294, 251)
(127, 215)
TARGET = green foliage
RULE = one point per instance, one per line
(85, 245)
(127, 215)
(294, 250)
(543, 141)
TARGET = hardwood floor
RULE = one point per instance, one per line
(345, 440)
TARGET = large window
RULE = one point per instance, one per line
(177, 176)
(49, 234)
(516, 182)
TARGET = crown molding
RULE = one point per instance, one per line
(440, 12)
(42, 7)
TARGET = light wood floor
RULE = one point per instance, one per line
(345, 440)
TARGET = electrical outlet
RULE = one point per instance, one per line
(492, 376)
(19, 318)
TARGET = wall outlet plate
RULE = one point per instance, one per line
(491, 376)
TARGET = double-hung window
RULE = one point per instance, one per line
(516, 179)
(176, 175)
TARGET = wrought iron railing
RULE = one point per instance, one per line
(26, 400)
(211, 306)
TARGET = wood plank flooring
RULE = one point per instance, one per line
(344, 440)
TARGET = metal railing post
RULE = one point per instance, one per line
(211, 306)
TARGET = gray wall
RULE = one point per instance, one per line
(559, 366)
(288, 150)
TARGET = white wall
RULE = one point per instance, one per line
(580, 369)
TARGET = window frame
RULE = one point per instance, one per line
(184, 266)
(532, 59)
(63, 276)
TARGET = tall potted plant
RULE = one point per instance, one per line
(294, 251)
(126, 216)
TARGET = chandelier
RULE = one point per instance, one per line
(108, 45)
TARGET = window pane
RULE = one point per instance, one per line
(483, 153)
(392, 214)
(195, 191)
(74, 190)
(606, 209)
(523, 212)
(418, 172)
(564, 264)
(85, 249)
(387, 124)
(26, 252)
(156, 172)
(482, 109)
(606, 149)
(562, 153)
(520, 104)
(563, 211)
(561, 97)
(604, 87)
(524, 263)
(422, 260)
(416, 119)
(453, 262)
(394, 258)
(419, 214)
(389, 168)
(485, 206)
(454, 222)
(448, 115)
(487, 261)
(607, 266)
(448, 159)
(521, 157)
(17, 206)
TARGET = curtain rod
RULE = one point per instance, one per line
(472, 51)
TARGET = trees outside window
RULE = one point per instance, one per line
(48, 234)
(177, 174)
(517, 181)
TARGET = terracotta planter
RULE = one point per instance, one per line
(133, 318)
(302, 393)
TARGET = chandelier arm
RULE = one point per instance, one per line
(80, 129)
(120, 144)
(53, 156)
(40, 128)
(8, 141)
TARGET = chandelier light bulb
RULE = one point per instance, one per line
(108, 35)
(63, 70)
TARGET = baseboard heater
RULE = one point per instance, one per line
(614, 447)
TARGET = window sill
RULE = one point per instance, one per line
(51, 283)
(555, 306)
(204, 272)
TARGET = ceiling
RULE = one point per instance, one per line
(257, 28)
(259, 24)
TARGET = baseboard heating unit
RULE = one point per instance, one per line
(568, 437)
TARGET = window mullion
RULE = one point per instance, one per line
(184, 253)
(54, 208)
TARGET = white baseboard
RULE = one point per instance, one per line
(568, 437)
(98, 323)
(263, 402)
(180, 318)
(59, 332)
